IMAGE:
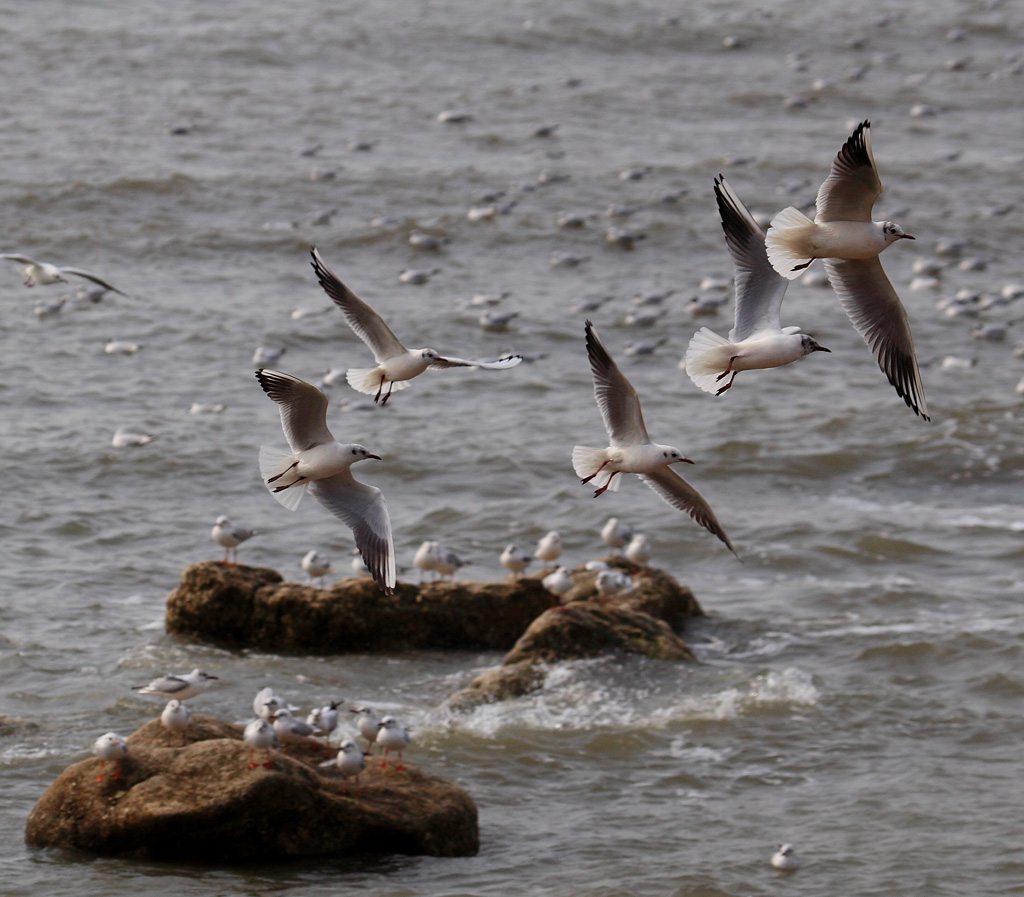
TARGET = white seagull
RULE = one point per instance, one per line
(110, 747)
(843, 234)
(319, 462)
(396, 365)
(316, 565)
(368, 724)
(176, 716)
(392, 737)
(757, 339)
(785, 858)
(180, 687)
(259, 735)
(350, 760)
(616, 535)
(630, 449)
(515, 560)
(229, 535)
(549, 548)
(44, 273)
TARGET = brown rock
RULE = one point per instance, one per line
(190, 796)
(243, 607)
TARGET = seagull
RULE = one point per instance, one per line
(325, 719)
(785, 858)
(447, 562)
(229, 535)
(612, 582)
(316, 566)
(180, 687)
(630, 449)
(319, 462)
(259, 735)
(425, 559)
(44, 273)
(616, 535)
(122, 438)
(110, 747)
(515, 560)
(757, 339)
(368, 724)
(844, 235)
(639, 550)
(396, 365)
(290, 730)
(549, 548)
(176, 715)
(266, 703)
(392, 737)
(559, 582)
(350, 760)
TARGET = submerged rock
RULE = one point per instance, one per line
(188, 796)
(253, 607)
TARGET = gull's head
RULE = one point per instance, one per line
(674, 456)
(893, 232)
(361, 453)
(222, 521)
(809, 344)
(429, 354)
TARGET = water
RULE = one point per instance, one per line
(860, 686)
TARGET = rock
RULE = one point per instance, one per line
(248, 607)
(189, 796)
(642, 621)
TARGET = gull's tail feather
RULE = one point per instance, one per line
(587, 461)
(274, 463)
(707, 359)
(368, 381)
(787, 242)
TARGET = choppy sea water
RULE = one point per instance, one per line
(860, 686)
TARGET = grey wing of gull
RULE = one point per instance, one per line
(673, 489)
(364, 509)
(20, 259)
(853, 185)
(364, 321)
(447, 361)
(78, 272)
(165, 685)
(760, 289)
(616, 398)
(303, 409)
(876, 311)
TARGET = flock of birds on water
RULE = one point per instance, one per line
(842, 234)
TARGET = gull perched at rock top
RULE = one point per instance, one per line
(176, 716)
(110, 747)
(229, 535)
(515, 560)
(630, 449)
(843, 234)
(616, 535)
(180, 687)
(318, 462)
(396, 365)
(757, 339)
(44, 273)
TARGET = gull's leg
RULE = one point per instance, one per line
(801, 267)
(252, 763)
(606, 485)
(595, 473)
(294, 482)
(380, 388)
(727, 385)
(99, 777)
(728, 370)
(391, 385)
(278, 476)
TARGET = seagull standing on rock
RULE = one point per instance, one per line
(392, 737)
(616, 535)
(176, 716)
(549, 548)
(630, 450)
(229, 535)
(396, 365)
(843, 234)
(515, 560)
(259, 735)
(318, 462)
(110, 747)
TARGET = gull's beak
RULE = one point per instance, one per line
(908, 237)
(208, 676)
(375, 457)
(822, 349)
(684, 461)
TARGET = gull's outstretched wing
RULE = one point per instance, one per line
(759, 288)
(364, 321)
(673, 489)
(876, 311)
(78, 272)
(853, 185)
(364, 509)
(618, 401)
(446, 361)
(303, 409)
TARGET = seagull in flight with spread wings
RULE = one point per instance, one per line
(44, 273)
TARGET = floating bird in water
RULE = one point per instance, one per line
(44, 273)
(180, 687)
(843, 234)
(321, 464)
(785, 858)
(757, 339)
(630, 450)
(396, 365)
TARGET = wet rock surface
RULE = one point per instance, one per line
(190, 796)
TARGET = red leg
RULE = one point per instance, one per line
(604, 488)
(727, 385)
(99, 775)
(380, 389)
(391, 385)
(595, 473)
